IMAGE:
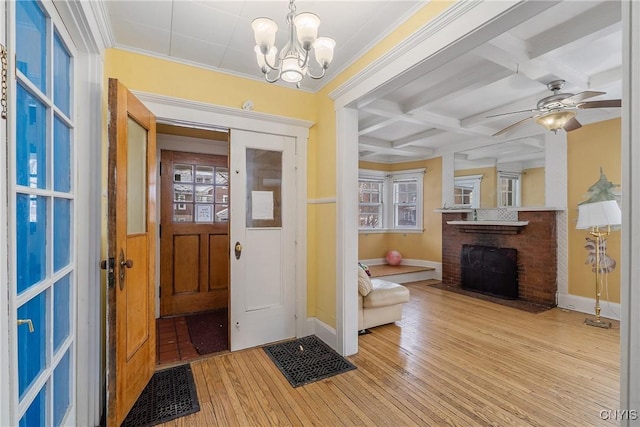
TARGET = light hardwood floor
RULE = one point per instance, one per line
(452, 360)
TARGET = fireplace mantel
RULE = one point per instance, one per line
(489, 227)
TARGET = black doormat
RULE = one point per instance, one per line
(305, 360)
(519, 304)
(209, 331)
(170, 394)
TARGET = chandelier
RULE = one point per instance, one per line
(292, 64)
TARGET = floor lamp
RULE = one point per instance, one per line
(594, 217)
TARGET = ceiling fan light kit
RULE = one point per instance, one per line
(558, 111)
(555, 120)
(292, 64)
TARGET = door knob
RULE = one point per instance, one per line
(26, 322)
(238, 250)
(128, 263)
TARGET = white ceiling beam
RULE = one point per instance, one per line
(386, 148)
(458, 85)
(526, 103)
(510, 18)
(606, 78)
(418, 137)
(449, 124)
(585, 27)
(379, 124)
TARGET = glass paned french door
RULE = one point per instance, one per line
(42, 210)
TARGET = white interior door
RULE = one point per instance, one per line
(262, 240)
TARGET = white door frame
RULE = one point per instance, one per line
(181, 112)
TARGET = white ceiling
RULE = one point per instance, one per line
(434, 109)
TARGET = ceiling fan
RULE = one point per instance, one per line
(557, 111)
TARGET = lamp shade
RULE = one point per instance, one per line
(599, 214)
(555, 120)
(323, 48)
(307, 28)
(264, 30)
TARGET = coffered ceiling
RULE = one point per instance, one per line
(435, 109)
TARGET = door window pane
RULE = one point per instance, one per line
(136, 178)
(61, 233)
(61, 389)
(61, 156)
(183, 173)
(31, 345)
(31, 38)
(204, 174)
(61, 311)
(264, 188)
(61, 76)
(31, 152)
(31, 242)
(36, 414)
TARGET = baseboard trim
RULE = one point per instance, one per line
(609, 310)
(323, 331)
(437, 274)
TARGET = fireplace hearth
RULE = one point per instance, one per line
(490, 270)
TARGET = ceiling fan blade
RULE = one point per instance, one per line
(508, 128)
(605, 103)
(572, 124)
(513, 112)
(573, 100)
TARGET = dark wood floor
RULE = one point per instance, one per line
(452, 360)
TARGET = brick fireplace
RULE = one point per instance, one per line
(535, 244)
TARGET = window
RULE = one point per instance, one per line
(466, 191)
(390, 200)
(508, 189)
(370, 201)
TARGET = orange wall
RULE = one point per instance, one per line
(590, 148)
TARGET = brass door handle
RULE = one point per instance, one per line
(26, 322)
(238, 250)
(123, 263)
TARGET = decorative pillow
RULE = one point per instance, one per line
(364, 283)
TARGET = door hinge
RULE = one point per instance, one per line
(160, 230)
(5, 82)
(160, 168)
(159, 291)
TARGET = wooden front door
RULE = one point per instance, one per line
(131, 352)
(194, 242)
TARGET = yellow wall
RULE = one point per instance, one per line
(163, 77)
(423, 246)
(590, 148)
(488, 185)
(532, 187)
(158, 76)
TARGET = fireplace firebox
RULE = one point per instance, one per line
(490, 270)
